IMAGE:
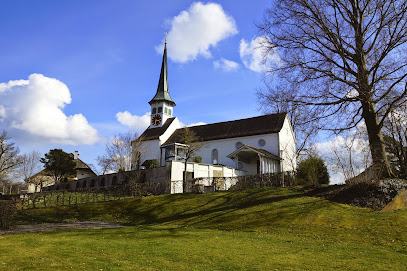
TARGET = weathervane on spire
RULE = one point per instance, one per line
(166, 34)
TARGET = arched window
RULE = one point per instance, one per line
(215, 156)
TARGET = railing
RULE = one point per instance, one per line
(212, 184)
(91, 195)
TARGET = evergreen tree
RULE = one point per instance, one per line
(59, 164)
(312, 171)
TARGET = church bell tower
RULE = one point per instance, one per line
(162, 105)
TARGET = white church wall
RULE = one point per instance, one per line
(150, 149)
(170, 130)
(227, 146)
(287, 145)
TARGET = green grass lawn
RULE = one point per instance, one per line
(261, 229)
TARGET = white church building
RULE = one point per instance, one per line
(257, 145)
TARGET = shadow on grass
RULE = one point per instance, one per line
(213, 210)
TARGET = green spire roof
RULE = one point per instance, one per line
(163, 92)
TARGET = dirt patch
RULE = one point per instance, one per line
(46, 227)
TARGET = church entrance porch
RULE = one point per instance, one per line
(255, 161)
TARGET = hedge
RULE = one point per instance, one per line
(8, 211)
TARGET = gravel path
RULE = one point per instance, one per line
(59, 227)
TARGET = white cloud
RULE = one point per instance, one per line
(225, 65)
(137, 123)
(140, 123)
(253, 54)
(193, 31)
(33, 109)
(2, 113)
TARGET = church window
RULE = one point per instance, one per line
(262, 142)
(160, 110)
(215, 156)
(238, 145)
(165, 110)
(169, 111)
(154, 110)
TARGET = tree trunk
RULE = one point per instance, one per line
(380, 163)
(381, 166)
(184, 183)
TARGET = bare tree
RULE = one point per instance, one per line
(9, 158)
(343, 60)
(191, 146)
(118, 153)
(349, 154)
(29, 165)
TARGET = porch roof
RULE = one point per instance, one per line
(247, 148)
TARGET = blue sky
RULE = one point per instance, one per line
(67, 68)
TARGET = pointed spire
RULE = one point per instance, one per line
(163, 92)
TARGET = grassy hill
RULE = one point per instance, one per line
(259, 229)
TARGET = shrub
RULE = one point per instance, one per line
(313, 172)
(151, 163)
(198, 159)
(8, 211)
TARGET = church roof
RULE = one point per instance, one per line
(163, 92)
(155, 133)
(266, 124)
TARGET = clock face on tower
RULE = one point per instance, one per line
(156, 120)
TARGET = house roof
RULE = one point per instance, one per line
(163, 92)
(155, 133)
(79, 165)
(245, 147)
(266, 124)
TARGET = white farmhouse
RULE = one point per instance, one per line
(41, 179)
(263, 144)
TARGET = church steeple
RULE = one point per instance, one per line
(163, 92)
(162, 105)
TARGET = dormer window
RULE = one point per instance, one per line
(160, 110)
(153, 110)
